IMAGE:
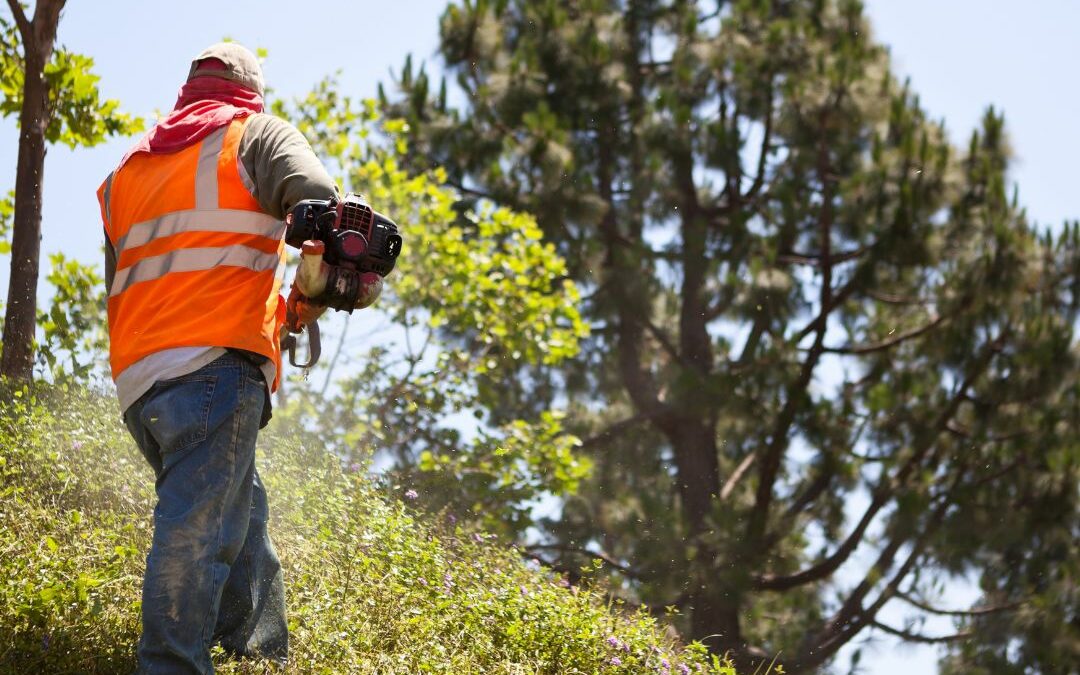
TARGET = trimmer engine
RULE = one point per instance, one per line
(346, 249)
(357, 239)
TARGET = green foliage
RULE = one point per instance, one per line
(499, 475)
(11, 66)
(492, 279)
(75, 325)
(477, 295)
(7, 210)
(832, 363)
(77, 114)
(372, 587)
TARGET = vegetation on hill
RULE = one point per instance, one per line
(373, 588)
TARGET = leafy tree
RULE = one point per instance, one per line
(56, 97)
(832, 365)
(475, 294)
(74, 327)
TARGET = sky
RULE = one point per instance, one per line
(961, 56)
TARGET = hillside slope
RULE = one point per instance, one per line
(372, 587)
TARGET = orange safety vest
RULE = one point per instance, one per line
(199, 264)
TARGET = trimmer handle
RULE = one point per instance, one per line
(288, 344)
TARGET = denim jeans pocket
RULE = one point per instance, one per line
(177, 412)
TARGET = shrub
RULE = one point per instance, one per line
(372, 586)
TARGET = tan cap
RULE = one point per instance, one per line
(241, 65)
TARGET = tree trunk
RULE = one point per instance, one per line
(713, 598)
(21, 312)
(20, 319)
(714, 620)
(697, 471)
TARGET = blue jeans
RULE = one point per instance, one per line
(212, 575)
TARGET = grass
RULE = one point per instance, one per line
(373, 587)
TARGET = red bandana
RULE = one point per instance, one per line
(205, 103)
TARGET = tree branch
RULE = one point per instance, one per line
(472, 192)
(637, 378)
(599, 555)
(797, 392)
(852, 616)
(616, 429)
(838, 299)
(814, 259)
(736, 476)
(966, 434)
(664, 341)
(887, 344)
(978, 611)
(752, 340)
(1008, 468)
(46, 18)
(886, 488)
(819, 484)
(766, 140)
(25, 29)
(813, 491)
(573, 574)
(770, 465)
(894, 299)
(830, 564)
(868, 458)
(918, 637)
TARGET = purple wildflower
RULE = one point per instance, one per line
(76, 445)
(477, 538)
(684, 669)
(452, 518)
(614, 642)
(616, 661)
(354, 467)
(411, 495)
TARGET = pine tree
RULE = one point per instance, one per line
(833, 366)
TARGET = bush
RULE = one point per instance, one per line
(371, 587)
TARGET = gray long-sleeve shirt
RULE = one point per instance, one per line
(282, 169)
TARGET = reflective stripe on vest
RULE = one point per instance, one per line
(193, 260)
(191, 241)
(236, 222)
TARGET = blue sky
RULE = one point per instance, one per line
(962, 55)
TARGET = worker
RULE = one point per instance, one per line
(195, 258)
